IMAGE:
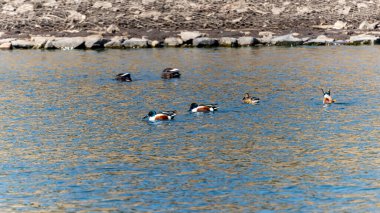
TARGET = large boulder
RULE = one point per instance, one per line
(95, 41)
(266, 37)
(364, 39)
(6, 40)
(136, 43)
(320, 40)
(205, 42)
(40, 42)
(6, 46)
(287, 40)
(116, 42)
(69, 43)
(173, 42)
(365, 25)
(228, 42)
(247, 41)
(22, 44)
(188, 36)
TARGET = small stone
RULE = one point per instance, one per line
(156, 43)
(113, 29)
(102, 5)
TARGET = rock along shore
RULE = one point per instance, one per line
(183, 39)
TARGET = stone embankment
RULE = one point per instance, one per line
(184, 39)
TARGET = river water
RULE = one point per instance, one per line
(72, 138)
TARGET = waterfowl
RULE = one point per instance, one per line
(247, 99)
(194, 107)
(327, 99)
(161, 116)
(170, 73)
(123, 77)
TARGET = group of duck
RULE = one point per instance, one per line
(169, 73)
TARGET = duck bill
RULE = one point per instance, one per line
(145, 117)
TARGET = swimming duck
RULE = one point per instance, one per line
(247, 99)
(170, 73)
(194, 107)
(123, 77)
(154, 116)
(327, 99)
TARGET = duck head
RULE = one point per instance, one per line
(150, 114)
(193, 106)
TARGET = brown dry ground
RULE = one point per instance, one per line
(158, 19)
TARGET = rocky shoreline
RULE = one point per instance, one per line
(183, 39)
(92, 24)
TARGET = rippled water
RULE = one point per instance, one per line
(72, 138)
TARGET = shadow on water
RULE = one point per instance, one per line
(73, 138)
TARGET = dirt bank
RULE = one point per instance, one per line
(158, 19)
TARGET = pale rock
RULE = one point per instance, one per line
(7, 40)
(50, 3)
(156, 43)
(150, 14)
(247, 41)
(22, 44)
(303, 10)
(189, 36)
(344, 11)
(116, 42)
(135, 43)
(25, 8)
(112, 29)
(6, 46)
(95, 41)
(49, 44)
(364, 39)
(69, 43)
(320, 40)
(277, 10)
(102, 5)
(228, 42)
(74, 16)
(361, 5)
(173, 42)
(266, 37)
(365, 25)
(145, 2)
(286, 40)
(39, 41)
(339, 25)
